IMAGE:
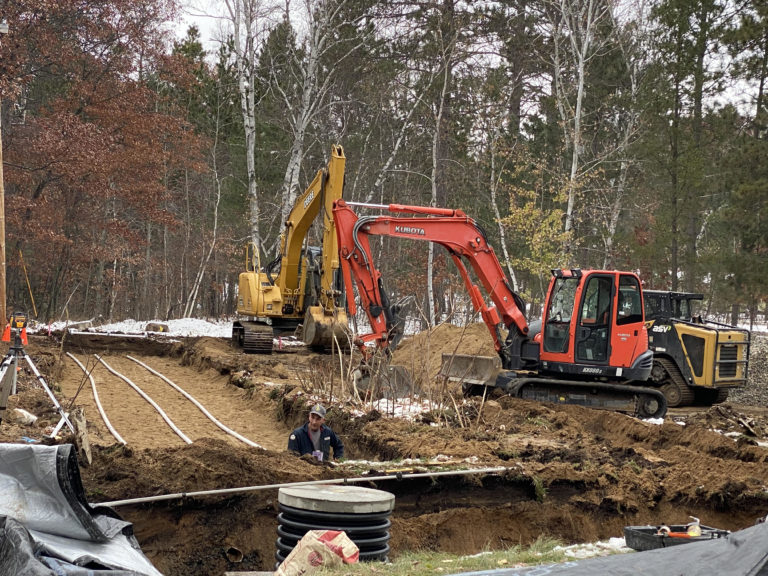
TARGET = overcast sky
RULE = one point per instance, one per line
(200, 13)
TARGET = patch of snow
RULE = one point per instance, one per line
(182, 327)
(658, 421)
(479, 554)
(406, 408)
(601, 548)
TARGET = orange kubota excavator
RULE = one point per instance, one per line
(592, 350)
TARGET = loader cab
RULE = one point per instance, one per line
(661, 304)
(593, 324)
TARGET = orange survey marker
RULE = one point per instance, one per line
(16, 333)
(17, 321)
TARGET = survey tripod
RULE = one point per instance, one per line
(16, 333)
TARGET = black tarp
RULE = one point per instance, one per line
(742, 553)
(46, 525)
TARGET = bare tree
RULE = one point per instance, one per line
(436, 137)
(317, 71)
(573, 29)
(250, 20)
(634, 52)
(494, 178)
(206, 257)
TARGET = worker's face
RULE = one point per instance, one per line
(315, 422)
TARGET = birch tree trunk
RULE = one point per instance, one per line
(248, 18)
(436, 138)
(195, 288)
(399, 140)
(317, 76)
(494, 185)
(577, 20)
(145, 305)
(634, 51)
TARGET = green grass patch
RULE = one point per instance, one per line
(539, 489)
(542, 551)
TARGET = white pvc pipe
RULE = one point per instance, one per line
(200, 406)
(148, 399)
(397, 476)
(98, 402)
(110, 334)
(42, 382)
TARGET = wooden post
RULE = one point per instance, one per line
(6, 383)
(81, 435)
(3, 312)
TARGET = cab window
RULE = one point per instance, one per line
(596, 307)
(630, 307)
(559, 314)
(654, 306)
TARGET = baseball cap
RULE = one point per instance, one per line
(318, 409)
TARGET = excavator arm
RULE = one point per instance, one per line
(461, 236)
(323, 191)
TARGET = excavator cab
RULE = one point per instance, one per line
(593, 324)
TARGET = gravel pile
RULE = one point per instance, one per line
(755, 393)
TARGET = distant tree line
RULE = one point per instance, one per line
(579, 133)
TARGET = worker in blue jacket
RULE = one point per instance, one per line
(316, 438)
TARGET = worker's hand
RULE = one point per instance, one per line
(311, 459)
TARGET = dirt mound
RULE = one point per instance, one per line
(422, 353)
(207, 464)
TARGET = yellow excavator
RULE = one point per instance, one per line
(299, 291)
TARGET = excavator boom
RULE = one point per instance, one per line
(460, 235)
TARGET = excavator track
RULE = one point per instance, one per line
(638, 401)
(252, 337)
(673, 386)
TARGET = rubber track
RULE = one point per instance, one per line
(629, 390)
(673, 372)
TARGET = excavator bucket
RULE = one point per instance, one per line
(321, 329)
(470, 370)
(387, 381)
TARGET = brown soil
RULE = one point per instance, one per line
(571, 473)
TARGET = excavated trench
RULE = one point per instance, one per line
(460, 516)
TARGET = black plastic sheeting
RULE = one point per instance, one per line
(47, 528)
(742, 553)
(19, 554)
